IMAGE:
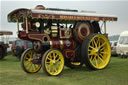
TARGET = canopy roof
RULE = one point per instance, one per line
(57, 15)
(6, 33)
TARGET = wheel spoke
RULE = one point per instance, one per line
(26, 57)
(101, 49)
(91, 47)
(48, 67)
(58, 59)
(104, 52)
(55, 69)
(49, 58)
(94, 41)
(35, 66)
(26, 62)
(30, 54)
(102, 45)
(91, 57)
(92, 52)
(96, 63)
(59, 63)
(52, 69)
(102, 56)
(98, 42)
(30, 67)
(93, 61)
(54, 55)
(101, 59)
(47, 62)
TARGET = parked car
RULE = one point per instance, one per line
(19, 46)
(122, 45)
(113, 48)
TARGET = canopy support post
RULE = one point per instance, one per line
(17, 26)
(26, 25)
(104, 27)
(105, 33)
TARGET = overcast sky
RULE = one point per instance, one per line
(118, 8)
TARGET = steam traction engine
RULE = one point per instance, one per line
(62, 36)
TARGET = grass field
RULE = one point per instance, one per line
(115, 74)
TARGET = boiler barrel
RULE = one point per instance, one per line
(63, 44)
(60, 44)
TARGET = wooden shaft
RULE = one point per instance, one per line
(26, 25)
(17, 25)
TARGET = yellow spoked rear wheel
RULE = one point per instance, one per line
(26, 61)
(98, 51)
(53, 62)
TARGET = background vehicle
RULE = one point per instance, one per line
(62, 36)
(3, 45)
(19, 46)
(122, 45)
(113, 47)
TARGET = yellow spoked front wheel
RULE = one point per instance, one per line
(27, 59)
(96, 51)
(53, 62)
